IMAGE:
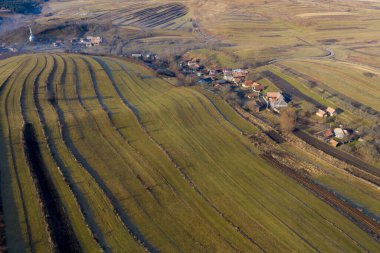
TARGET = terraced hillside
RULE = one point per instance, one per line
(126, 162)
(149, 14)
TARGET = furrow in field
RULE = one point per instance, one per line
(9, 197)
(64, 195)
(84, 108)
(35, 225)
(66, 163)
(123, 237)
(118, 145)
(269, 179)
(268, 194)
(28, 150)
(144, 134)
(190, 181)
(116, 105)
(237, 121)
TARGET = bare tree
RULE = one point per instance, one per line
(288, 119)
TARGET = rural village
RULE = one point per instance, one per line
(235, 80)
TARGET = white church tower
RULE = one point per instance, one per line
(31, 36)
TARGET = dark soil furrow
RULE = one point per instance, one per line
(13, 155)
(56, 157)
(3, 241)
(357, 217)
(184, 174)
(118, 209)
(62, 232)
(123, 137)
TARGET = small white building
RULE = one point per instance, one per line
(339, 133)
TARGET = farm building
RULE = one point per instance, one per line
(340, 133)
(331, 111)
(252, 95)
(95, 40)
(255, 86)
(247, 84)
(273, 95)
(258, 87)
(240, 72)
(321, 113)
(328, 133)
(334, 143)
(228, 76)
(276, 100)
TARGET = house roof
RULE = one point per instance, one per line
(330, 110)
(278, 102)
(248, 83)
(253, 95)
(320, 113)
(328, 133)
(334, 142)
(274, 95)
(258, 87)
(238, 74)
(339, 132)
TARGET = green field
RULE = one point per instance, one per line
(357, 82)
(139, 163)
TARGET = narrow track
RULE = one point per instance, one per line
(357, 217)
(343, 156)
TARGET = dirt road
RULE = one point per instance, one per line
(290, 89)
(363, 221)
(343, 156)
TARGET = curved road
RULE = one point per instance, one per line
(329, 54)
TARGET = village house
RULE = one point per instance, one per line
(252, 95)
(340, 133)
(334, 143)
(253, 85)
(258, 87)
(276, 100)
(331, 111)
(95, 40)
(327, 134)
(239, 73)
(228, 76)
(321, 113)
(247, 84)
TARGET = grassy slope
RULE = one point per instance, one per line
(203, 143)
(19, 192)
(78, 222)
(174, 174)
(111, 231)
(345, 79)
